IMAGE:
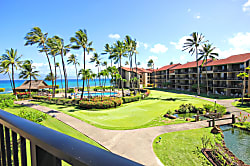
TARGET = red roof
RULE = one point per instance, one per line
(139, 70)
(232, 59)
(190, 64)
(168, 67)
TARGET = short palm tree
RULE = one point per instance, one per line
(36, 36)
(58, 65)
(207, 52)
(27, 71)
(109, 50)
(10, 58)
(192, 45)
(84, 74)
(73, 59)
(4, 69)
(152, 65)
(97, 60)
(243, 76)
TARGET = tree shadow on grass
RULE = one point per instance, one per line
(166, 99)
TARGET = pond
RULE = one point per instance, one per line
(189, 115)
(238, 142)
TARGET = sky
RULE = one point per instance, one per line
(160, 27)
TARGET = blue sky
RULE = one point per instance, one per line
(159, 26)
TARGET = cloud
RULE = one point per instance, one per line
(139, 44)
(159, 48)
(189, 10)
(246, 6)
(197, 16)
(114, 36)
(145, 45)
(180, 43)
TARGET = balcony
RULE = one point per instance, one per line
(235, 86)
(236, 70)
(47, 147)
(220, 85)
(220, 70)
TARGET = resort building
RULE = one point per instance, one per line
(220, 76)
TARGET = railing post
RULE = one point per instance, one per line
(233, 118)
(213, 123)
(44, 158)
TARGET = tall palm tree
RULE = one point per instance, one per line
(152, 65)
(207, 52)
(58, 65)
(58, 45)
(129, 47)
(81, 40)
(73, 59)
(36, 36)
(28, 72)
(134, 44)
(11, 59)
(4, 68)
(192, 45)
(119, 51)
(109, 50)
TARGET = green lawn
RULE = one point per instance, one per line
(140, 114)
(177, 148)
(242, 107)
(56, 125)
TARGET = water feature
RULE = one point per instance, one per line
(238, 142)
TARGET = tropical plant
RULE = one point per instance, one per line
(10, 58)
(4, 68)
(96, 58)
(81, 40)
(207, 52)
(73, 59)
(61, 49)
(119, 51)
(243, 75)
(36, 36)
(28, 72)
(109, 50)
(84, 75)
(192, 45)
(151, 65)
(58, 65)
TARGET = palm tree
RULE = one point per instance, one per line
(109, 50)
(84, 73)
(4, 68)
(119, 51)
(134, 44)
(152, 65)
(96, 58)
(192, 45)
(11, 59)
(58, 65)
(81, 40)
(129, 47)
(105, 64)
(73, 59)
(28, 72)
(36, 36)
(49, 77)
(207, 52)
(243, 76)
(58, 45)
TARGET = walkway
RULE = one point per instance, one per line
(133, 144)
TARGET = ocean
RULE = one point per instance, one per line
(71, 82)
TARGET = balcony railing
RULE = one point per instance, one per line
(47, 147)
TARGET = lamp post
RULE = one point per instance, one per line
(215, 106)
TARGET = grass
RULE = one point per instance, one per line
(140, 114)
(242, 107)
(56, 125)
(179, 148)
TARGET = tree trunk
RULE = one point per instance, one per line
(65, 75)
(138, 82)
(207, 81)
(53, 95)
(198, 72)
(14, 90)
(10, 80)
(61, 76)
(121, 75)
(50, 69)
(84, 51)
(30, 87)
(76, 77)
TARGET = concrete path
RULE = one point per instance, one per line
(133, 144)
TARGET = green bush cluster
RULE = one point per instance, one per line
(2, 89)
(35, 116)
(6, 100)
(129, 99)
(100, 103)
(70, 91)
(103, 88)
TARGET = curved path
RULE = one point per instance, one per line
(133, 144)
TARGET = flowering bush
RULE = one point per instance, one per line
(100, 103)
(242, 118)
(2, 89)
(23, 94)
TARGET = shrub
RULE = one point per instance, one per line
(39, 98)
(185, 108)
(70, 91)
(245, 100)
(100, 103)
(208, 107)
(2, 89)
(35, 116)
(131, 98)
(6, 100)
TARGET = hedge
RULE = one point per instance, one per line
(2, 89)
(131, 98)
(98, 103)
